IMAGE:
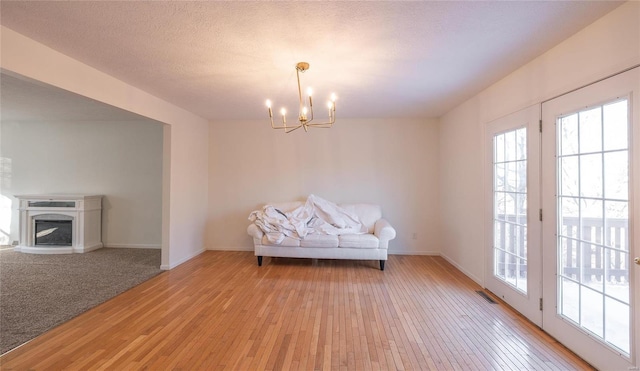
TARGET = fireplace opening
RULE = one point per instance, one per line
(53, 232)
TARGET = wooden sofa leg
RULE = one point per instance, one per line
(382, 265)
(259, 261)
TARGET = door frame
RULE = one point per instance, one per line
(589, 347)
(527, 304)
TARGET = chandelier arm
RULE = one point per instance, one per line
(321, 125)
(271, 119)
(292, 128)
(277, 127)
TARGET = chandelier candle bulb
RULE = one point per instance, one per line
(269, 107)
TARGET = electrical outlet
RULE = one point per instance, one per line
(15, 243)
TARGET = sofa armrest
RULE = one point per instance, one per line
(254, 231)
(385, 232)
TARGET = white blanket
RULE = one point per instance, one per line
(316, 216)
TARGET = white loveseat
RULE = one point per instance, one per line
(372, 245)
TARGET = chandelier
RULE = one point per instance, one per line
(305, 114)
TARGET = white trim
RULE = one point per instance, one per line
(394, 252)
(461, 269)
(132, 246)
(235, 248)
(412, 252)
(165, 267)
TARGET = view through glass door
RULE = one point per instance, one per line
(514, 257)
(587, 194)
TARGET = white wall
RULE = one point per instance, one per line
(389, 162)
(120, 160)
(607, 46)
(185, 148)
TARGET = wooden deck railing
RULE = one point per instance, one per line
(588, 258)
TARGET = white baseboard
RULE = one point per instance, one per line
(461, 269)
(395, 252)
(183, 260)
(132, 246)
(234, 248)
(411, 252)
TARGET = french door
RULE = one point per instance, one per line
(514, 256)
(590, 198)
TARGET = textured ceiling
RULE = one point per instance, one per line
(221, 60)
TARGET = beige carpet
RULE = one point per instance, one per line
(39, 292)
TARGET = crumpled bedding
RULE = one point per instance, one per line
(316, 216)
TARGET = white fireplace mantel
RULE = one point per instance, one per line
(85, 212)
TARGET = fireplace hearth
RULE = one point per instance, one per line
(60, 224)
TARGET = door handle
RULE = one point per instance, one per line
(637, 261)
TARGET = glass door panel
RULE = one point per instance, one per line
(589, 199)
(593, 219)
(513, 247)
(510, 210)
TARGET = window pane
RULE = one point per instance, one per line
(569, 258)
(499, 265)
(510, 206)
(569, 208)
(498, 234)
(521, 176)
(521, 142)
(591, 311)
(568, 135)
(591, 130)
(511, 176)
(592, 267)
(616, 174)
(617, 278)
(591, 175)
(568, 174)
(615, 125)
(510, 237)
(499, 177)
(617, 224)
(499, 206)
(510, 146)
(521, 281)
(521, 209)
(570, 298)
(617, 324)
(499, 148)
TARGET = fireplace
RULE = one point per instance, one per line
(60, 224)
(53, 232)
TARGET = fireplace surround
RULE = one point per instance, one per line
(60, 224)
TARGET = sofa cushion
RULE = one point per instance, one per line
(359, 241)
(319, 240)
(287, 241)
(367, 213)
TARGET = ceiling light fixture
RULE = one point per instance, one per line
(305, 115)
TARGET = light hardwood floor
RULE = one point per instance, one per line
(221, 311)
